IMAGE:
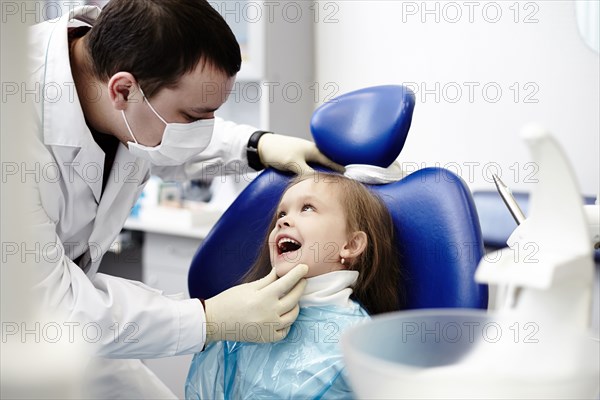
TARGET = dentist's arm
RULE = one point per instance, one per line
(291, 153)
(117, 317)
(237, 149)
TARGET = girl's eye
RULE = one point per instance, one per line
(308, 207)
(280, 214)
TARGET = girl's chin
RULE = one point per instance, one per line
(281, 270)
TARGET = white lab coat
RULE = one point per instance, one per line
(72, 217)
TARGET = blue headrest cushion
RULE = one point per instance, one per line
(367, 126)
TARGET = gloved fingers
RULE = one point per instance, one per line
(285, 323)
(290, 300)
(285, 284)
(266, 281)
(298, 166)
(281, 334)
(302, 168)
(289, 318)
(292, 154)
(320, 158)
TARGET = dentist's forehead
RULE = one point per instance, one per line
(205, 87)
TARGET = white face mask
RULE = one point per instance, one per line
(180, 142)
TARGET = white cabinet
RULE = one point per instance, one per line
(166, 261)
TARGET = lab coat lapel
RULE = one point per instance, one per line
(125, 183)
(89, 165)
(62, 115)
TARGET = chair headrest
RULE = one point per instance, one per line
(366, 126)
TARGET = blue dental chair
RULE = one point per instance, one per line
(438, 233)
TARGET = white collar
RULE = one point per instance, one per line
(333, 288)
(62, 113)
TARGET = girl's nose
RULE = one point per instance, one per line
(285, 221)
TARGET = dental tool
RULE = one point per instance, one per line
(509, 200)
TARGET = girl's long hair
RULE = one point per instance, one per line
(377, 288)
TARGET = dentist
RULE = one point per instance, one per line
(124, 93)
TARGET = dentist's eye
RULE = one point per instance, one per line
(308, 207)
(189, 118)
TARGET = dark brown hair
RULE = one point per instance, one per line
(378, 286)
(158, 41)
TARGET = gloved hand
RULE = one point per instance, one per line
(292, 154)
(260, 311)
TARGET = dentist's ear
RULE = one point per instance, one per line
(356, 244)
(122, 88)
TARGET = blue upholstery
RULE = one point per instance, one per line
(343, 128)
(439, 238)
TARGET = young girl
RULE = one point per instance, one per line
(345, 235)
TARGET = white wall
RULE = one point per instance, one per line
(393, 42)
